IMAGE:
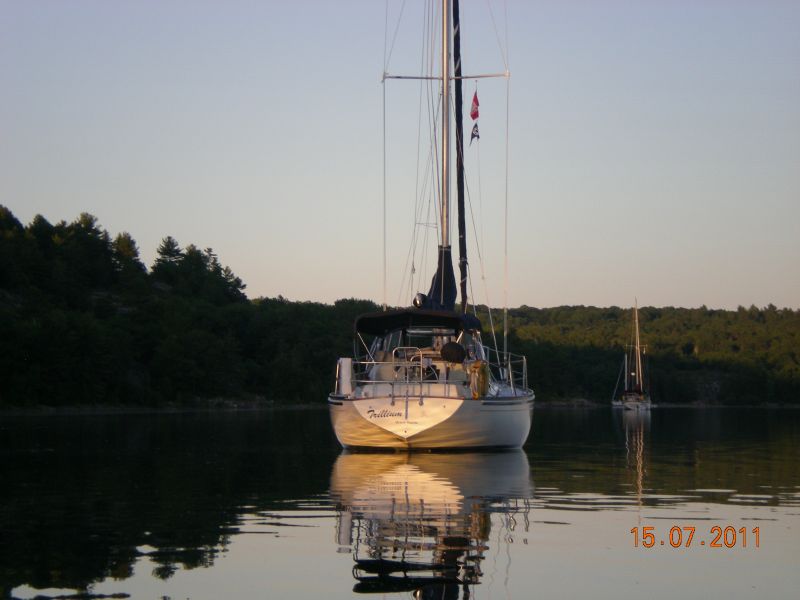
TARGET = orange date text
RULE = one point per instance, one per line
(686, 536)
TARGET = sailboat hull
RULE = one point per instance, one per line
(497, 422)
(634, 401)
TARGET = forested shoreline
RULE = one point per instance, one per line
(84, 322)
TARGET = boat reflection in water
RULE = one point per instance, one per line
(636, 424)
(421, 522)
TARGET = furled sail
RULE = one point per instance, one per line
(442, 295)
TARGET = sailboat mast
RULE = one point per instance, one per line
(462, 223)
(442, 294)
(639, 380)
(445, 210)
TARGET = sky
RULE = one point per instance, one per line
(654, 145)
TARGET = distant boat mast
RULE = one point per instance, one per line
(639, 380)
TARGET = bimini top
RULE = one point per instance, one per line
(381, 323)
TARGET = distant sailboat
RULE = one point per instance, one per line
(635, 395)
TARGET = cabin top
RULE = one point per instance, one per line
(381, 323)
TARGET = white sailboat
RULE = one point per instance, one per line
(422, 376)
(635, 395)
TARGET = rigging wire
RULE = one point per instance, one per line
(480, 184)
(505, 229)
(385, 32)
(505, 26)
(428, 184)
(383, 126)
(434, 107)
(425, 191)
(419, 186)
(388, 50)
(616, 385)
(388, 57)
(435, 90)
(479, 241)
(427, 44)
(508, 135)
(385, 291)
(420, 220)
(503, 50)
(504, 54)
(481, 262)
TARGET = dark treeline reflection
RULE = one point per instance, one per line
(83, 497)
(84, 321)
(80, 494)
(744, 451)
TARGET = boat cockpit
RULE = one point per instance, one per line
(421, 346)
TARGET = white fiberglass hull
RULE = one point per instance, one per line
(634, 401)
(436, 422)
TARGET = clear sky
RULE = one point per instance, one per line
(655, 145)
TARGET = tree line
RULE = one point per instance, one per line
(744, 356)
(84, 321)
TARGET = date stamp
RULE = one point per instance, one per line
(687, 536)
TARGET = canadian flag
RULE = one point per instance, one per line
(473, 112)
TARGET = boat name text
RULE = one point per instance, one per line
(383, 413)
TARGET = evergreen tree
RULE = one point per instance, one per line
(168, 258)
(169, 252)
(8, 222)
(126, 253)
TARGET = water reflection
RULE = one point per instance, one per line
(422, 522)
(159, 493)
(185, 505)
(635, 424)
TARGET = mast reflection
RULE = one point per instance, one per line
(636, 423)
(421, 522)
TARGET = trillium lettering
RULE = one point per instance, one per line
(382, 413)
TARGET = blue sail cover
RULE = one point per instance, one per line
(443, 292)
(381, 323)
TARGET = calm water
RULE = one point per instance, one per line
(265, 505)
